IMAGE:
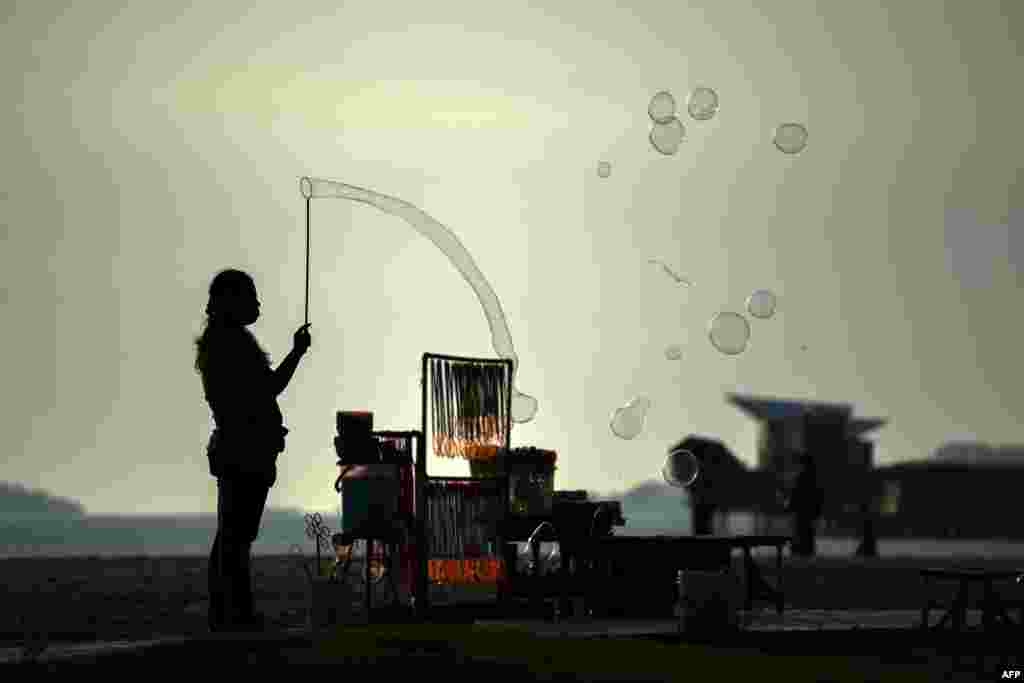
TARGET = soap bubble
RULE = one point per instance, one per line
(662, 108)
(666, 137)
(674, 352)
(703, 104)
(524, 407)
(729, 332)
(671, 273)
(761, 304)
(681, 468)
(628, 421)
(790, 138)
(604, 169)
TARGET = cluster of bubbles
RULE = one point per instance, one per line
(728, 331)
(667, 131)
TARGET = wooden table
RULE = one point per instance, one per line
(993, 609)
(710, 552)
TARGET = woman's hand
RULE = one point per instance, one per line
(301, 341)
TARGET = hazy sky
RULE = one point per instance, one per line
(146, 147)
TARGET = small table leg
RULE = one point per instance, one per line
(927, 603)
(367, 583)
(960, 607)
(751, 571)
(779, 595)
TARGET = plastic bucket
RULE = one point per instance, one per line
(369, 496)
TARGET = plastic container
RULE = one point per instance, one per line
(369, 496)
(531, 488)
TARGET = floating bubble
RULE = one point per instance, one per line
(524, 406)
(628, 421)
(703, 104)
(671, 273)
(681, 468)
(674, 352)
(662, 108)
(790, 138)
(729, 332)
(666, 137)
(604, 169)
(761, 304)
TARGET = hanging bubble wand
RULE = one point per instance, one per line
(307, 260)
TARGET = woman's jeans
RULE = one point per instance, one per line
(240, 502)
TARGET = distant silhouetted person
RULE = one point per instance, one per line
(241, 389)
(868, 546)
(806, 503)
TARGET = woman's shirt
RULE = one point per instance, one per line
(238, 386)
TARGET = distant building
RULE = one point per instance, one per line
(963, 490)
(829, 432)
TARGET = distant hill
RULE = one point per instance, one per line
(977, 453)
(34, 522)
(20, 503)
(38, 523)
(652, 504)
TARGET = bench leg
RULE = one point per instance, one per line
(750, 570)
(779, 595)
(927, 604)
(960, 607)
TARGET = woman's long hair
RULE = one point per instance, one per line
(224, 283)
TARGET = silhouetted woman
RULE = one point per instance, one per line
(241, 389)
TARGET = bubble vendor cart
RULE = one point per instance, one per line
(442, 536)
(423, 531)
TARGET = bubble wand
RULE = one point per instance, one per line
(307, 260)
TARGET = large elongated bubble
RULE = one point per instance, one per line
(524, 406)
(628, 421)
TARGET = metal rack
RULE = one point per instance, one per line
(425, 483)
